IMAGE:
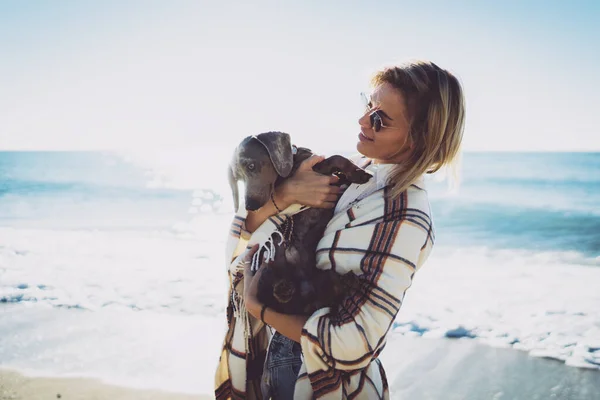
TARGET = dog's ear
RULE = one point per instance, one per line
(279, 146)
(234, 187)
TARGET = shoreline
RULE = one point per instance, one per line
(416, 368)
(464, 369)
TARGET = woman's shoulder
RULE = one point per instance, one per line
(414, 199)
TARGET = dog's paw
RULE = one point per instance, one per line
(283, 290)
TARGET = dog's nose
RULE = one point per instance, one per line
(252, 205)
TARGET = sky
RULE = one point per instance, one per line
(102, 75)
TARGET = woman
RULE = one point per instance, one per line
(382, 231)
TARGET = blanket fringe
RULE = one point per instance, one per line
(269, 251)
(241, 314)
(239, 307)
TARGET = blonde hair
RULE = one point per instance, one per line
(436, 112)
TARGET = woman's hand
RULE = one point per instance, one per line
(308, 187)
(305, 187)
(251, 283)
(288, 325)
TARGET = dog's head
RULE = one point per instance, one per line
(258, 161)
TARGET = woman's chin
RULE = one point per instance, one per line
(362, 148)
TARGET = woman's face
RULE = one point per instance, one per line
(390, 145)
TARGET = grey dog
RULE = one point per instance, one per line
(292, 283)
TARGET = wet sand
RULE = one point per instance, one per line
(417, 369)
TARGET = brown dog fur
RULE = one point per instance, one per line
(292, 283)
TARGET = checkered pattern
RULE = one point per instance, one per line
(384, 242)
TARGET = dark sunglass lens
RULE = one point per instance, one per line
(376, 122)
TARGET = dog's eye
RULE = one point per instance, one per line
(250, 167)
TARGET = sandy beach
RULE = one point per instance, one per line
(417, 368)
(15, 386)
(432, 369)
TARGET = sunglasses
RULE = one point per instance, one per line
(374, 116)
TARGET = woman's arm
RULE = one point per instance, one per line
(254, 219)
(351, 338)
(288, 325)
(305, 187)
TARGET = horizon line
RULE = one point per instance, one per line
(171, 148)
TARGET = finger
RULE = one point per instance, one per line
(333, 179)
(250, 253)
(322, 180)
(324, 201)
(260, 270)
(320, 193)
(331, 198)
(327, 205)
(311, 162)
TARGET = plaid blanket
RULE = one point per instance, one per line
(246, 341)
(384, 242)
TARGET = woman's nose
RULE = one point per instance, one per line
(365, 120)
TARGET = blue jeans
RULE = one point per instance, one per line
(282, 365)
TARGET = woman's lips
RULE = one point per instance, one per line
(363, 138)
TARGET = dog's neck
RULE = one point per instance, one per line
(300, 154)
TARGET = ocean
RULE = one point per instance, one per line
(112, 264)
